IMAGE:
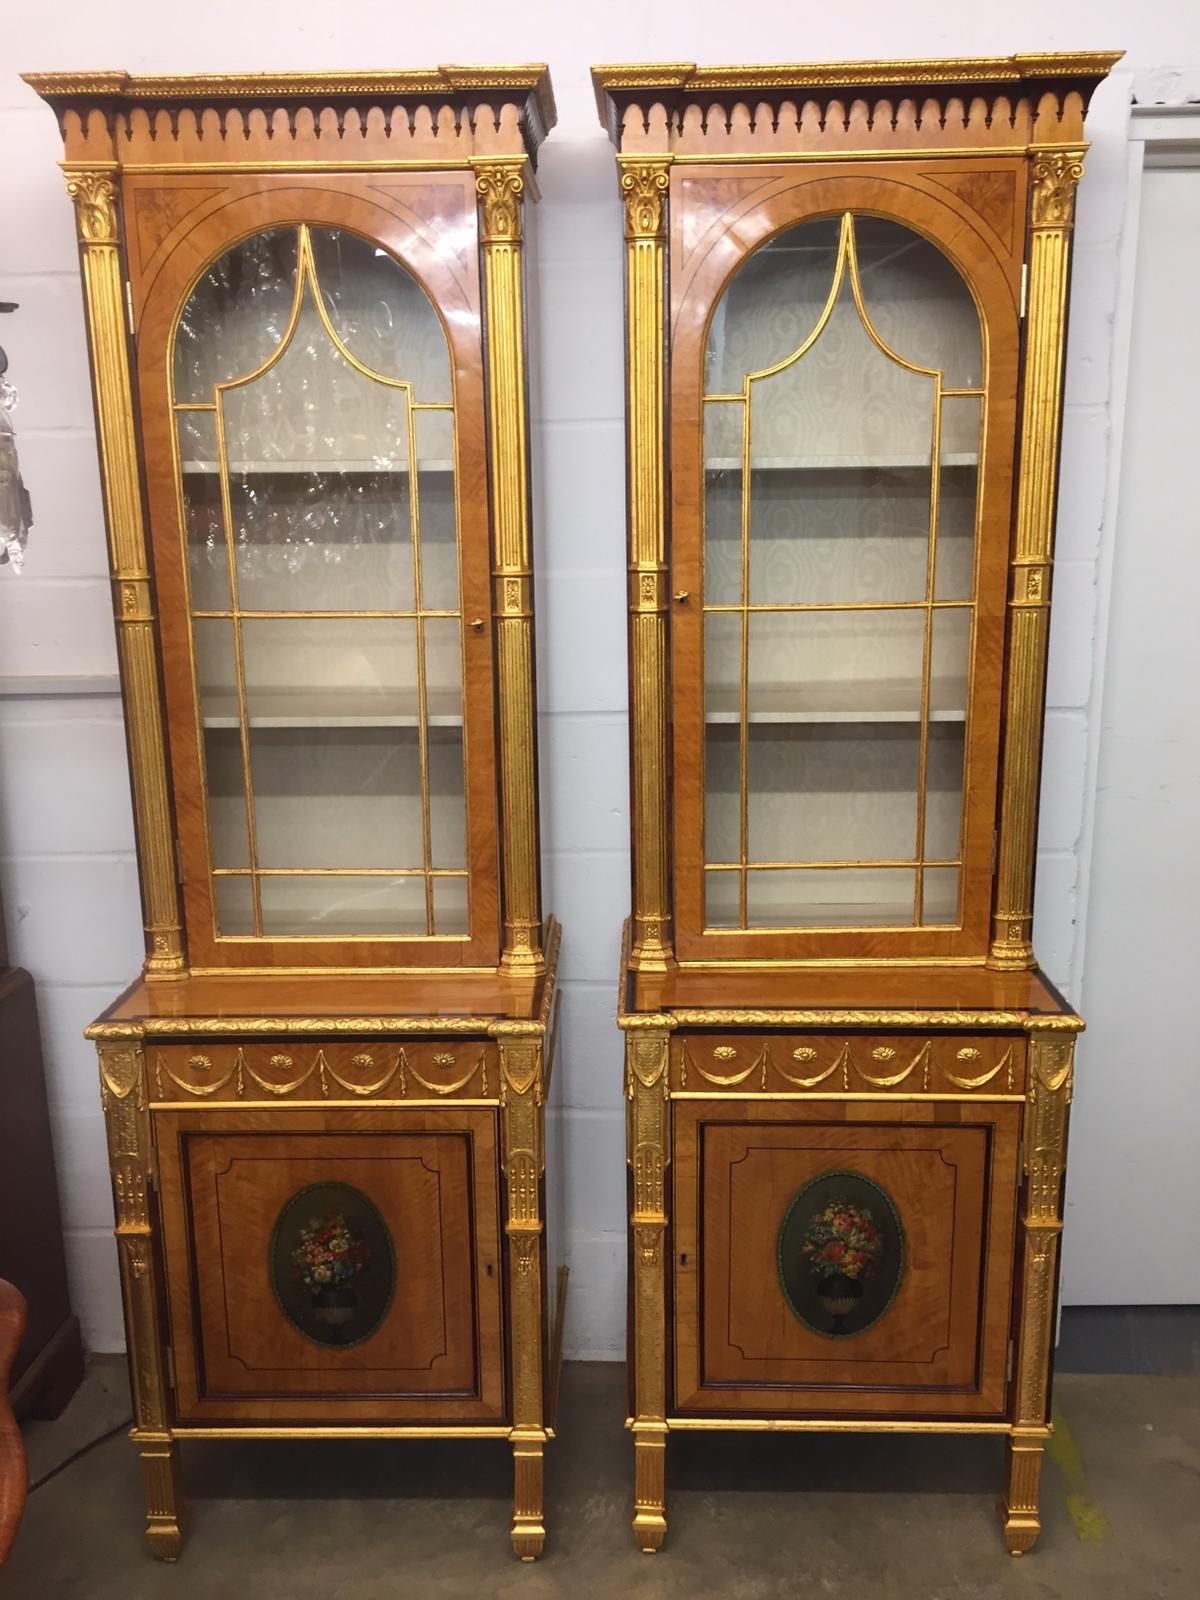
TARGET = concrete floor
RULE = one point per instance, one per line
(751, 1517)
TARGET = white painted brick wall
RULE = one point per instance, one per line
(66, 865)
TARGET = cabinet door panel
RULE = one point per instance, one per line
(762, 1196)
(843, 364)
(264, 1327)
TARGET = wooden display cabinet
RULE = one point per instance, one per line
(326, 1095)
(848, 1082)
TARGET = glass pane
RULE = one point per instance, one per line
(722, 665)
(722, 808)
(822, 897)
(336, 797)
(721, 899)
(939, 901)
(238, 314)
(381, 313)
(320, 355)
(836, 666)
(944, 791)
(235, 907)
(340, 906)
(449, 905)
(957, 497)
(722, 503)
(949, 664)
(203, 515)
(833, 792)
(918, 302)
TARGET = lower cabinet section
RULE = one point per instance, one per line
(333, 1264)
(843, 1258)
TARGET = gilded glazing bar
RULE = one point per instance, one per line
(644, 186)
(1055, 175)
(94, 191)
(500, 184)
(124, 1097)
(522, 1137)
(649, 1154)
(1051, 1057)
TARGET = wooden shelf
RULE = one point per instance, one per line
(326, 708)
(960, 458)
(870, 702)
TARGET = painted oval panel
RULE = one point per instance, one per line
(332, 1264)
(841, 1253)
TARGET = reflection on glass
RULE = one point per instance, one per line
(844, 375)
(317, 440)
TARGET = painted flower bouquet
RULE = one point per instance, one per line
(328, 1258)
(844, 1247)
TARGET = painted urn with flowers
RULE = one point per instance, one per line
(329, 1257)
(843, 1245)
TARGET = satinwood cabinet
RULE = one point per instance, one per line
(326, 1093)
(847, 1079)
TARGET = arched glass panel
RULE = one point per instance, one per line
(843, 413)
(316, 428)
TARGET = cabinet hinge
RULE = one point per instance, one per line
(129, 306)
(178, 863)
(1008, 1370)
(1024, 286)
(169, 1352)
(995, 848)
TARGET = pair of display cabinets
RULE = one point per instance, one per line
(326, 1095)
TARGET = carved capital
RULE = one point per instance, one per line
(500, 189)
(1056, 175)
(95, 197)
(644, 187)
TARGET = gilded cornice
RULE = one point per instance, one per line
(462, 88)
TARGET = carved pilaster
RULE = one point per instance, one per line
(1055, 174)
(94, 191)
(124, 1097)
(647, 1090)
(1051, 1055)
(644, 189)
(522, 1144)
(500, 184)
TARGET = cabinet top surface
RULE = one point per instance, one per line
(266, 1004)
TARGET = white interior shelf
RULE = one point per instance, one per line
(332, 708)
(304, 469)
(955, 458)
(860, 701)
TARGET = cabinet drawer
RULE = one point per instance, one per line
(906, 1063)
(769, 1195)
(357, 1069)
(257, 1203)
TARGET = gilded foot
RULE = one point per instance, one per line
(528, 1539)
(1021, 1529)
(649, 1531)
(165, 1540)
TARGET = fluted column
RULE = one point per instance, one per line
(644, 188)
(94, 191)
(500, 183)
(1055, 176)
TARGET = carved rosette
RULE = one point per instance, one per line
(1055, 178)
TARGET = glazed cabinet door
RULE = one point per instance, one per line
(844, 364)
(311, 384)
(843, 1258)
(341, 1266)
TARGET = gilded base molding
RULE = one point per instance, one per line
(1019, 1507)
(528, 1531)
(649, 1492)
(160, 1474)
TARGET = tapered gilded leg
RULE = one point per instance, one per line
(529, 1532)
(160, 1471)
(647, 1087)
(522, 1143)
(1051, 1052)
(649, 1485)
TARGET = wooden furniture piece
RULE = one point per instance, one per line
(326, 1093)
(847, 1080)
(47, 1365)
(13, 1470)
